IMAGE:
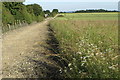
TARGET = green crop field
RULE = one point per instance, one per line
(88, 42)
(90, 16)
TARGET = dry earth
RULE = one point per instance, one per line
(25, 53)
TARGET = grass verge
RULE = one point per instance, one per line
(89, 46)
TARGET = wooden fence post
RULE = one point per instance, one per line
(2, 27)
(8, 26)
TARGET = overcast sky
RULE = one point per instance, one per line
(72, 5)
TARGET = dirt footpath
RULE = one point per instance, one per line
(24, 52)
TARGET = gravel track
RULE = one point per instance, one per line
(23, 56)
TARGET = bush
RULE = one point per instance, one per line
(7, 17)
(27, 16)
(17, 11)
(40, 18)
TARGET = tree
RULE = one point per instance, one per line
(37, 9)
(13, 7)
(47, 12)
(30, 9)
(54, 12)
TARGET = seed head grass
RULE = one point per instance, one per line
(90, 45)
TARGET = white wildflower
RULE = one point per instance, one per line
(65, 70)
(97, 53)
(70, 68)
(91, 44)
(69, 64)
(81, 57)
(79, 53)
(112, 67)
(74, 59)
(82, 64)
(79, 72)
(60, 70)
(84, 57)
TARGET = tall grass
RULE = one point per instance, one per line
(89, 47)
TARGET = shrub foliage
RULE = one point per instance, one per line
(17, 11)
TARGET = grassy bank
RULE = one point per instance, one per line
(88, 42)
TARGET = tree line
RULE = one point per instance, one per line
(94, 10)
(16, 12)
(90, 11)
